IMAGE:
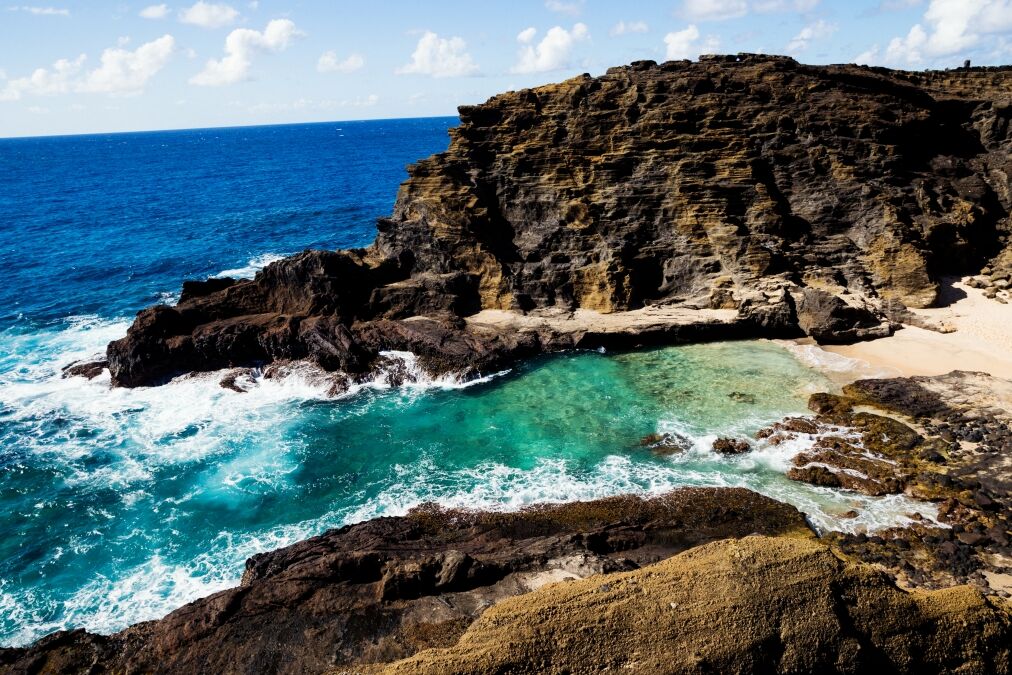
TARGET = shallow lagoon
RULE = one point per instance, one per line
(125, 504)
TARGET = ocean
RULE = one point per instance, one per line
(121, 505)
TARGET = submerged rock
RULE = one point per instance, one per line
(667, 443)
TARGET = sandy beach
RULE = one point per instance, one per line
(980, 338)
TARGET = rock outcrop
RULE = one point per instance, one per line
(699, 580)
(755, 605)
(945, 440)
(387, 588)
(743, 195)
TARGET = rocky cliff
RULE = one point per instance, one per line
(735, 196)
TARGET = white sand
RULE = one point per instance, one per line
(981, 339)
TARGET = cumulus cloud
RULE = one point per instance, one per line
(208, 15)
(120, 71)
(624, 28)
(329, 63)
(126, 72)
(720, 10)
(439, 57)
(714, 10)
(155, 12)
(552, 53)
(572, 8)
(58, 79)
(240, 47)
(40, 11)
(948, 27)
(685, 44)
(813, 31)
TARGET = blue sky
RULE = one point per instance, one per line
(75, 67)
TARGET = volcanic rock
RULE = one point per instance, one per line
(387, 588)
(758, 604)
(736, 196)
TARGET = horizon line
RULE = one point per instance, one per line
(220, 128)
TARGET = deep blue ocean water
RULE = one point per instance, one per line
(120, 505)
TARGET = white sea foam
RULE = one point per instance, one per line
(250, 269)
(193, 419)
(837, 367)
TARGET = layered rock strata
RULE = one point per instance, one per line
(789, 199)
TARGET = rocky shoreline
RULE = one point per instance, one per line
(738, 196)
(434, 587)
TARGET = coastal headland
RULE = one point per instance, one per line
(736, 196)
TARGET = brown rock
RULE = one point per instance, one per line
(757, 604)
(818, 199)
(731, 446)
(387, 588)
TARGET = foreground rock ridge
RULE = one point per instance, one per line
(736, 196)
(698, 580)
(384, 589)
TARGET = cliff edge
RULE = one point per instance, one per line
(736, 196)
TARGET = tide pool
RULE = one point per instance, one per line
(122, 505)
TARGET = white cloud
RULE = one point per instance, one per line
(813, 31)
(311, 104)
(948, 27)
(767, 6)
(41, 11)
(714, 10)
(552, 53)
(208, 15)
(59, 79)
(126, 72)
(720, 10)
(329, 63)
(624, 28)
(684, 44)
(155, 12)
(440, 57)
(120, 72)
(38, 110)
(572, 8)
(240, 46)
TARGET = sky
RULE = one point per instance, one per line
(89, 67)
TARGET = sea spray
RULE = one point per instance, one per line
(126, 503)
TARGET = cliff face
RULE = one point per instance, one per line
(696, 181)
(799, 199)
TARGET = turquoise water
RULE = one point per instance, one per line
(118, 506)
(124, 504)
